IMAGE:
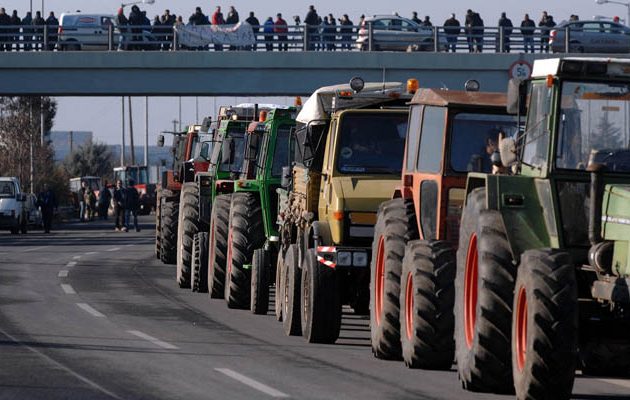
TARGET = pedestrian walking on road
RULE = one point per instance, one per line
(90, 203)
(81, 199)
(528, 27)
(506, 24)
(452, 30)
(132, 203)
(268, 33)
(119, 206)
(48, 203)
(281, 29)
(104, 198)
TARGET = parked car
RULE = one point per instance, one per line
(13, 215)
(391, 32)
(591, 37)
(78, 31)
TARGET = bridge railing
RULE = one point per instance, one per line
(297, 38)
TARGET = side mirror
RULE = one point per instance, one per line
(160, 140)
(516, 97)
(507, 151)
(205, 150)
(285, 180)
(227, 151)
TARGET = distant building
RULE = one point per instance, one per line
(64, 142)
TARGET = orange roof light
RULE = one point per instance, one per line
(412, 86)
(345, 94)
(262, 116)
(338, 215)
(549, 81)
(298, 101)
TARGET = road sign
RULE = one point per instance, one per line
(520, 70)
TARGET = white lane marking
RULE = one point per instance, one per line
(67, 289)
(153, 340)
(87, 308)
(71, 264)
(63, 367)
(76, 257)
(63, 273)
(618, 382)
(91, 253)
(261, 387)
(114, 249)
(35, 248)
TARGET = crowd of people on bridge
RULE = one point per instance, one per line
(324, 32)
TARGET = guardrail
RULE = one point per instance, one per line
(297, 38)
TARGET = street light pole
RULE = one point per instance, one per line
(621, 3)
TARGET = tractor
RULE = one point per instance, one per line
(543, 274)
(451, 133)
(348, 145)
(139, 174)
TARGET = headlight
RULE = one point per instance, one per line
(359, 259)
(344, 258)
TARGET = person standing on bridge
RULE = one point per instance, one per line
(47, 201)
(217, 20)
(232, 19)
(506, 24)
(5, 22)
(281, 29)
(38, 29)
(414, 18)
(346, 32)
(452, 30)
(546, 22)
(312, 26)
(53, 25)
(136, 20)
(268, 33)
(253, 21)
(528, 27)
(27, 32)
(15, 29)
(119, 206)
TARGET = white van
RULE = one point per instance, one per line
(78, 31)
(12, 206)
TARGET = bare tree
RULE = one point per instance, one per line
(90, 159)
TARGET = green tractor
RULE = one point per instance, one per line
(253, 238)
(543, 274)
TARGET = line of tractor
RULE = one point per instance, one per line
(489, 230)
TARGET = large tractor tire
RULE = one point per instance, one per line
(603, 356)
(321, 303)
(168, 230)
(199, 266)
(217, 245)
(291, 293)
(395, 226)
(245, 234)
(279, 295)
(427, 297)
(158, 222)
(186, 231)
(545, 326)
(261, 275)
(484, 287)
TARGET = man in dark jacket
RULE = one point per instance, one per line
(312, 22)
(38, 28)
(198, 18)
(232, 16)
(104, 198)
(15, 29)
(414, 18)
(27, 31)
(255, 23)
(346, 32)
(452, 30)
(528, 27)
(546, 22)
(132, 203)
(53, 25)
(136, 21)
(48, 203)
(119, 206)
(506, 24)
(280, 28)
(5, 22)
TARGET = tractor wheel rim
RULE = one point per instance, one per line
(471, 290)
(409, 304)
(379, 280)
(521, 329)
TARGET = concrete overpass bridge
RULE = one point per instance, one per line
(240, 73)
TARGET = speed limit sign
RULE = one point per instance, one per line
(520, 70)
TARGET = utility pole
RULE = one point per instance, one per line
(146, 131)
(133, 150)
(41, 126)
(180, 113)
(30, 124)
(122, 149)
(174, 125)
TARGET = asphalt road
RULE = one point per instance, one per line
(89, 313)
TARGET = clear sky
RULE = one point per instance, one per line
(103, 115)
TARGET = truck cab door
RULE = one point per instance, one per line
(325, 193)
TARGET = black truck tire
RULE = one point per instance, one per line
(320, 299)
(186, 231)
(158, 222)
(245, 234)
(291, 294)
(603, 356)
(484, 287)
(395, 226)
(260, 282)
(199, 266)
(279, 296)
(545, 326)
(217, 245)
(427, 297)
(168, 231)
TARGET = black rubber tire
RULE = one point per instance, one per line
(605, 357)
(321, 303)
(247, 234)
(485, 366)
(260, 282)
(279, 295)
(396, 225)
(186, 231)
(547, 280)
(427, 342)
(158, 234)
(217, 245)
(199, 266)
(291, 293)
(168, 230)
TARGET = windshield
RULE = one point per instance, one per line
(138, 175)
(371, 143)
(238, 144)
(474, 138)
(594, 126)
(281, 154)
(7, 189)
